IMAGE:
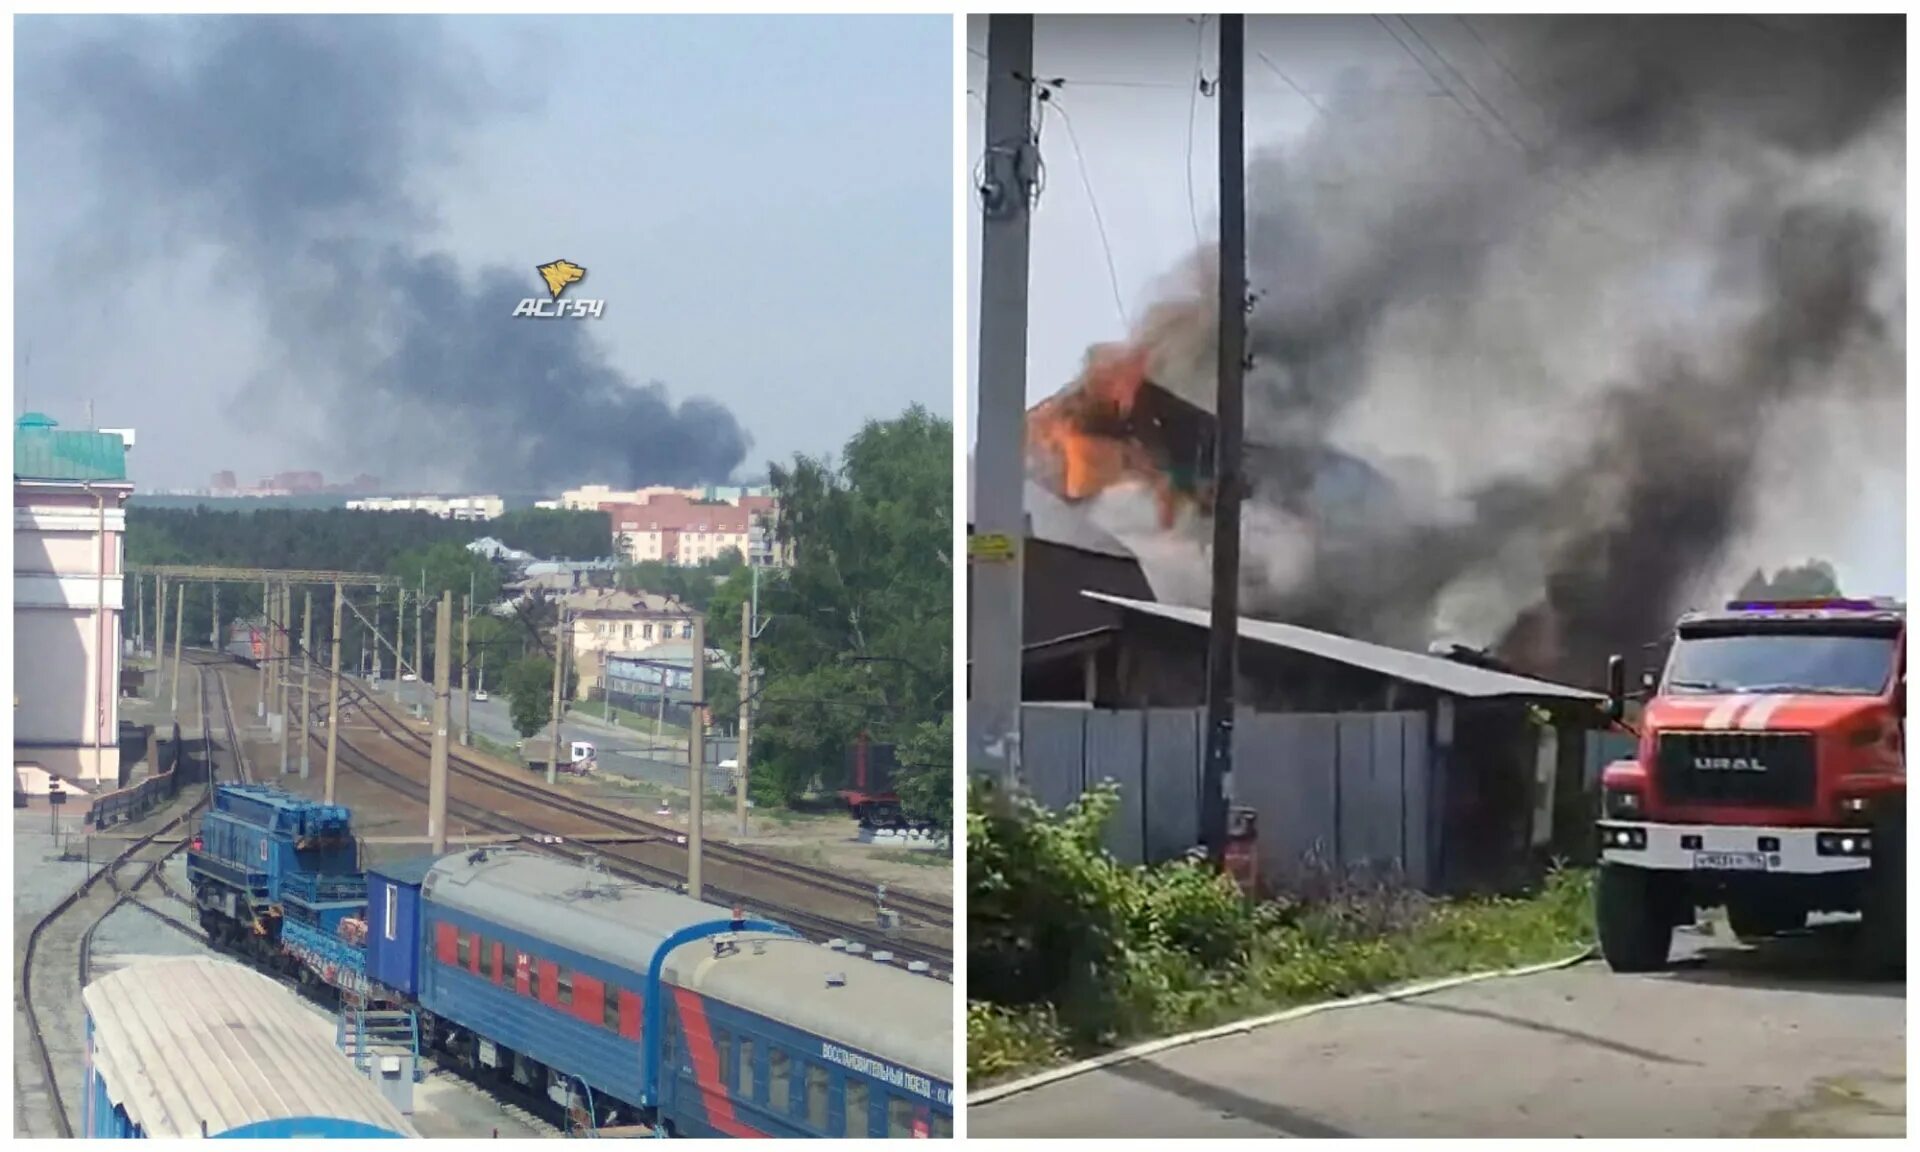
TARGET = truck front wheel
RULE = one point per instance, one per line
(1884, 929)
(1634, 917)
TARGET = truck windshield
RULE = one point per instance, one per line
(1851, 665)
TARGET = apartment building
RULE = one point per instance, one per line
(70, 490)
(607, 624)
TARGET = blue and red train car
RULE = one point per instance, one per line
(626, 1004)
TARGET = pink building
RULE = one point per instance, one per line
(69, 522)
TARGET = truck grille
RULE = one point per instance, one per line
(1719, 768)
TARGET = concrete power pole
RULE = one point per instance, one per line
(159, 634)
(179, 628)
(333, 704)
(999, 522)
(140, 614)
(217, 646)
(442, 681)
(746, 717)
(266, 640)
(419, 643)
(306, 690)
(559, 675)
(399, 640)
(1224, 636)
(466, 693)
(281, 671)
(379, 601)
(697, 757)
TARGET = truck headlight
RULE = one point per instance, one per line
(1621, 802)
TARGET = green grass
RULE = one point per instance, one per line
(1299, 958)
(638, 721)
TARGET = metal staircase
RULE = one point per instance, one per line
(384, 1044)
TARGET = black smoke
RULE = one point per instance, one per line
(1578, 297)
(295, 147)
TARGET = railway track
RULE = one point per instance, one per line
(920, 909)
(59, 953)
(659, 860)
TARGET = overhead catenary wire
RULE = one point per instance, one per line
(1194, 92)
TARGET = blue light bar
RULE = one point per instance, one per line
(1828, 604)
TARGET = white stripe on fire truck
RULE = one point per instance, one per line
(1724, 713)
(1757, 716)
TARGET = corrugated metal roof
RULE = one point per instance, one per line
(888, 1013)
(578, 908)
(188, 1041)
(1435, 672)
(42, 451)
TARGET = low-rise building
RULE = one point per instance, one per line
(445, 507)
(69, 523)
(604, 624)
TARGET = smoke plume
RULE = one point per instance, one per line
(294, 147)
(1588, 333)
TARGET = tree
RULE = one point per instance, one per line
(1814, 579)
(925, 779)
(858, 632)
(529, 687)
(555, 533)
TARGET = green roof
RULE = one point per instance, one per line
(41, 451)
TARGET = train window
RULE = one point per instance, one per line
(393, 912)
(564, 986)
(486, 959)
(746, 1068)
(723, 1053)
(859, 1115)
(816, 1097)
(899, 1118)
(462, 949)
(610, 1008)
(779, 1080)
(943, 1127)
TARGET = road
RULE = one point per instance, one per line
(623, 751)
(1730, 1043)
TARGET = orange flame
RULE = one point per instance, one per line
(1068, 447)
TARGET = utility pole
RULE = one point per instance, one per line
(266, 642)
(284, 692)
(419, 643)
(559, 674)
(379, 602)
(399, 640)
(1224, 636)
(333, 704)
(746, 717)
(442, 681)
(697, 757)
(306, 691)
(281, 671)
(179, 628)
(159, 635)
(217, 647)
(466, 692)
(999, 522)
(140, 614)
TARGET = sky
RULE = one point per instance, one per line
(1131, 176)
(764, 205)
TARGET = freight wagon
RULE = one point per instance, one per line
(192, 1047)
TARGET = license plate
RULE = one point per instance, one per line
(1730, 861)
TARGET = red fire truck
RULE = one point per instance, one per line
(1770, 780)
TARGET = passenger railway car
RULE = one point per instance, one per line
(191, 1047)
(627, 1003)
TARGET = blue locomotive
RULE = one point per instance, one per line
(629, 1006)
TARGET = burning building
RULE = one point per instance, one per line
(1535, 399)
